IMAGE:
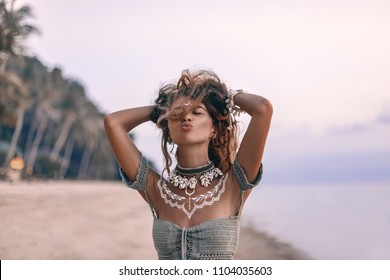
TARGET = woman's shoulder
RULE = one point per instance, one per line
(145, 175)
(238, 173)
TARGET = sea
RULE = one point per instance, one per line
(348, 221)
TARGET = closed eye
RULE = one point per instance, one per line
(199, 110)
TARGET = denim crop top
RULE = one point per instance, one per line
(215, 239)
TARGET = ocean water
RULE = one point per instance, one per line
(328, 222)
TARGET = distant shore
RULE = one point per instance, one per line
(94, 220)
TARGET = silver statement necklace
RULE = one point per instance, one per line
(186, 179)
(178, 176)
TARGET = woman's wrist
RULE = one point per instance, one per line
(233, 109)
(230, 101)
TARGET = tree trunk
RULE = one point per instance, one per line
(84, 163)
(15, 136)
(62, 137)
(66, 159)
(30, 138)
(37, 141)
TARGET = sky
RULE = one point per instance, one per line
(324, 65)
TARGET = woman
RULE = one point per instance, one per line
(197, 206)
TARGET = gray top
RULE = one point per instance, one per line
(215, 239)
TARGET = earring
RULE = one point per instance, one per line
(170, 142)
(172, 148)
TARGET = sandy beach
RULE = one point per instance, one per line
(94, 220)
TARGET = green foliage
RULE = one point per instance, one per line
(44, 116)
(51, 98)
(14, 27)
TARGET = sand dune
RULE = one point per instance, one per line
(94, 220)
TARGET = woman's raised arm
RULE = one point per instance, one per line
(252, 146)
(117, 126)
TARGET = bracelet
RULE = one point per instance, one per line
(233, 109)
(230, 105)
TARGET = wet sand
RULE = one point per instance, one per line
(90, 220)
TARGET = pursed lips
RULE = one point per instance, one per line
(186, 126)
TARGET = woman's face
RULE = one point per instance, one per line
(195, 127)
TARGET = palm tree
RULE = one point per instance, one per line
(46, 110)
(89, 125)
(44, 113)
(13, 30)
(86, 128)
(14, 93)
(85, 133)
(73, 108)
(70, 118)
(66, 158)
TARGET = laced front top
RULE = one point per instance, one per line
(212, 239)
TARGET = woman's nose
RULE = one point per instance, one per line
(187, 117)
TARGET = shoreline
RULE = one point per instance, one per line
(96, 220)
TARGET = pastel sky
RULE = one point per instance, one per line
(325, 66)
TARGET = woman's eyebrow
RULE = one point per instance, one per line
(201, 107)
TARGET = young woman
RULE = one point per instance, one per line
(197, 204)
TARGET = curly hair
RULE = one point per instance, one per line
(202, 86)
